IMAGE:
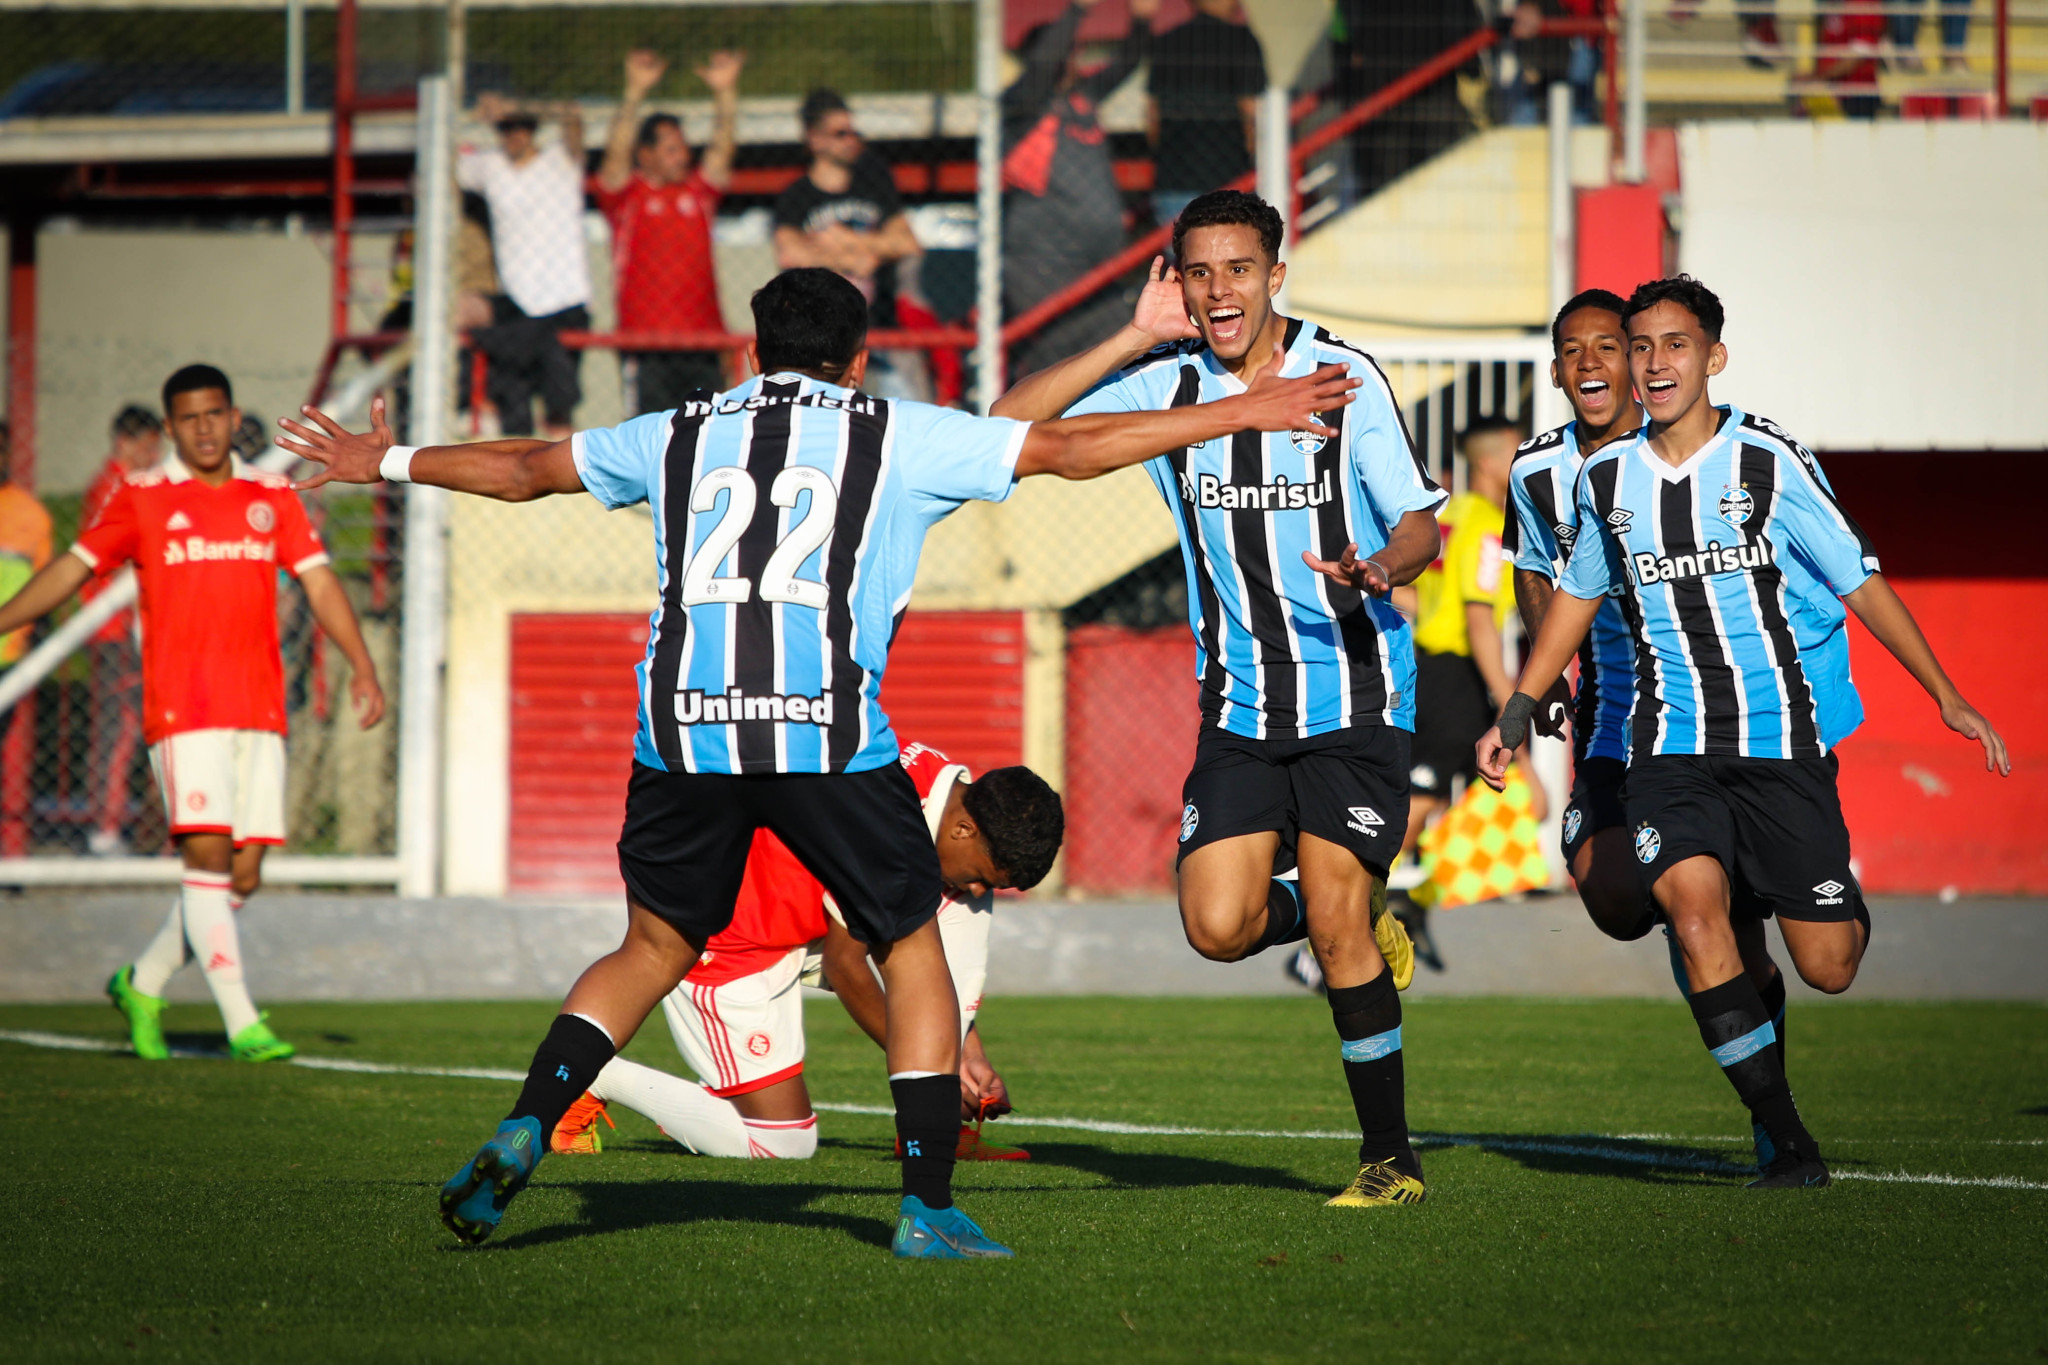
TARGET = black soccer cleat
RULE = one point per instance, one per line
(1793, 1170)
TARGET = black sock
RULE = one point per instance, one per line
(1739, 1034)
(564, 1065)
(1368, 1020)
(1773, 997)
(1285, 920)
(928, 1126)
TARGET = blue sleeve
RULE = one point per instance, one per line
(1820, 533)
(1535, 538)
(951, 457)
(1590, 572)
(615, 463)
(1383, 458)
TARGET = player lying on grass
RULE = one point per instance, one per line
(737, 1017)
(207, 535)
(1591, 367)
(1732, 562)
(1291, 543)
(788, 516)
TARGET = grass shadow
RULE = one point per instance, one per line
(1646, 1162)
(611, 1206)
(1164, 1170)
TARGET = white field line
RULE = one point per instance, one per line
(1592, 1146)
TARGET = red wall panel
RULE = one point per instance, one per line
(955, 682)
(1133, 707)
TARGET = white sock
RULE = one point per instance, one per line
(166, 953)
(210, 929)
(789, 1139)
(686, 1112)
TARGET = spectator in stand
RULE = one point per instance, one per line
(1539, 63)
(844, 214)
(1955, 34)
(535, 194)
(660, 206)
(114, 740)
(24, 543)
(1063, 213)
(1383, 42)
(1204, 107)
(1851, 35)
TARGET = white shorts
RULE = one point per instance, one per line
(746, 1034)
(223, 782)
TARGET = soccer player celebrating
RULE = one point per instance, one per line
(1732, 562)
(1291, 544)
(207, 535)
(737, 1017)
(788, 517)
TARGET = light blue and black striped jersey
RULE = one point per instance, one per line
(1730, 569)
(788, 518)
(1543, 524)
(1281, 651)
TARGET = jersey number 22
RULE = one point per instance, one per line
(779, 581)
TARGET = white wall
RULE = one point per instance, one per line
(1886, 283)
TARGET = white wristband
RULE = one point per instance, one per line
(397, 464)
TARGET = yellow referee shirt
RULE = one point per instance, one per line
(1470, 569)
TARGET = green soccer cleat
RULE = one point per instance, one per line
(145, 1015)
(257, 1043)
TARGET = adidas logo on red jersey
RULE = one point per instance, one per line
(178, 522)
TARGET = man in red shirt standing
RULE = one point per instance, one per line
(661, 208)
(207, 535)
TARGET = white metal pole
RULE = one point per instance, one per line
(988, 203)
(295, 56)
(1562, 266)
(425, 604)
(1275, 173)
(1635, 99)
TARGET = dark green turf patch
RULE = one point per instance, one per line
(203, 1210)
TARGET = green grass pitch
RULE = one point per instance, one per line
(1584, 1173)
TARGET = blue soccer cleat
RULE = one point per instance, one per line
(924, 1234)
(474, 1201)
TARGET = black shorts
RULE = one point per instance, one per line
(1595, 804)
(1348, 786)
(1451, 713)
(684, 848)
(1774, 824)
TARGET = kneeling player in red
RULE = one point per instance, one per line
(737, 1018)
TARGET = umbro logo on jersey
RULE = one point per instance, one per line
(1567, 536)
(694, 708)
(1619, 518)
(1648, 843)
(1278, 496)
(178, 522)
(1365, 820)
(1829, 893)
(1189, 818)
(1706, 563)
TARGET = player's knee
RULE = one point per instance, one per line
(1221, 931)
(1830, 977)
(782, 1141)
(246, 884)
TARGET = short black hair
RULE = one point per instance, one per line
(192, 379)
(1493, 421)
(1020, 817)
(1586, 298)
(820, 102)
(1230, 208)
(518, 118)
(809, 320)
(136, 420)
(1689, 294)
(651, 126)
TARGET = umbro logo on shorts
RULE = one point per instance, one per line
(1572, 821)
(1365, 820)
(1648, 842)
(1189, 818)
(1829, 893)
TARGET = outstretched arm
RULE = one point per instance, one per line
(1161, 316)
(1879, 608)
(331, 608)
(722, 74)
(644, 71)
(1564, 629)
(1096, 443)
(1413, 547)
(50, 589)
(514, 470)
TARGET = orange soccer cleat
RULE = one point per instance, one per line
(576, 1134)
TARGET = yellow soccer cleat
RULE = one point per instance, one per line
(576, 1134)
(1392, 938)
(1379, 1185)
